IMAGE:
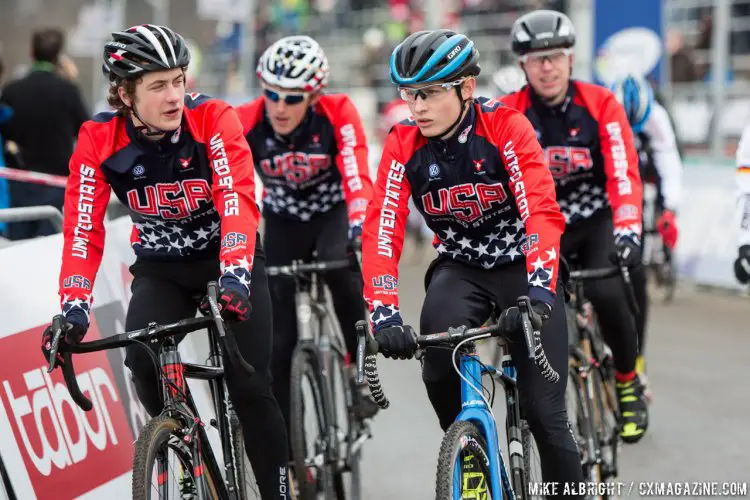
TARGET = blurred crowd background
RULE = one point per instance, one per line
(700, 38)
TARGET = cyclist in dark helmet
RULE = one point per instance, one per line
(589, 149)
(475, 171)
(181, 165)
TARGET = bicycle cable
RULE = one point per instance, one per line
(157, 369)
(461, 375)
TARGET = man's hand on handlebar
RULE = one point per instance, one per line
(72, 335)
(510, 319)
(234, 304)
(397, 341)
(628, 251)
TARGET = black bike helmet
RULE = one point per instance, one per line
(429, 56)
(142, 49)
(540, 30)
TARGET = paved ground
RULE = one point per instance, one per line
(699, 359)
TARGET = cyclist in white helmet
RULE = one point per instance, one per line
(660, 164)
(311, 152)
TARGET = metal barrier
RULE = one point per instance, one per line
(27, 214)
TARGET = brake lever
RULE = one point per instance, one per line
(366, 346)
(58, 326)
(226, 335)
(524, 309)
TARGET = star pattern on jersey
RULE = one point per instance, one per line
(543, 268)
(173, 238)
(583, 202)
(630, 231)
(383, 315)
(500, 246)
(304, 204)
(83, 303)
(239, 270)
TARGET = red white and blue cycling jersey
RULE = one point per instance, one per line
(588, 147)
(486, 193)
(322, 164)
(191, 195)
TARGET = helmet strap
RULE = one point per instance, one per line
(148, 131)
(444, 135)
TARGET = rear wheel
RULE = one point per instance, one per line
(463, 464)
(308, 427)
(163, 465)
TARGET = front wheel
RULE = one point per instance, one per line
(243, 472)
(463, 464)
(308, 427)
(163, 464)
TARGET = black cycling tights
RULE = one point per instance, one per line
(164, 292)
(287, 240)
(460, 295)
(593, 244)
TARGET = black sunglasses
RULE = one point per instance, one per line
(288, 98)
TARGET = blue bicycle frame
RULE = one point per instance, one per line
(476, 411)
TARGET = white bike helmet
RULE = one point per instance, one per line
(294, 62)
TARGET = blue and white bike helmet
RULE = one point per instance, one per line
(433, 56)
(636, 96)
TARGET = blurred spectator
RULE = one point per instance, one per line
(681, 58)
(47, 112)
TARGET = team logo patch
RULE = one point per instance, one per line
(185, 162)
(478, 164)
(385, 282)
(465, 135)
(529, 243)
(626, 212)
(232, 240)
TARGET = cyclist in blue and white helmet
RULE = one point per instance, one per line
(434, 62)
(636, 96)
(661, 165)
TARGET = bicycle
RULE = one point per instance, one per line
(470, 463)
(657, 257)
(179, 428)
(318, 378)
(590, 396)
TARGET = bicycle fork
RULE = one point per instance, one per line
(174, 396)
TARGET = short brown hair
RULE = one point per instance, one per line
(113, 98)
(47, 44)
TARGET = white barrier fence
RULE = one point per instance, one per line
(49, 447)
(709, 229)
